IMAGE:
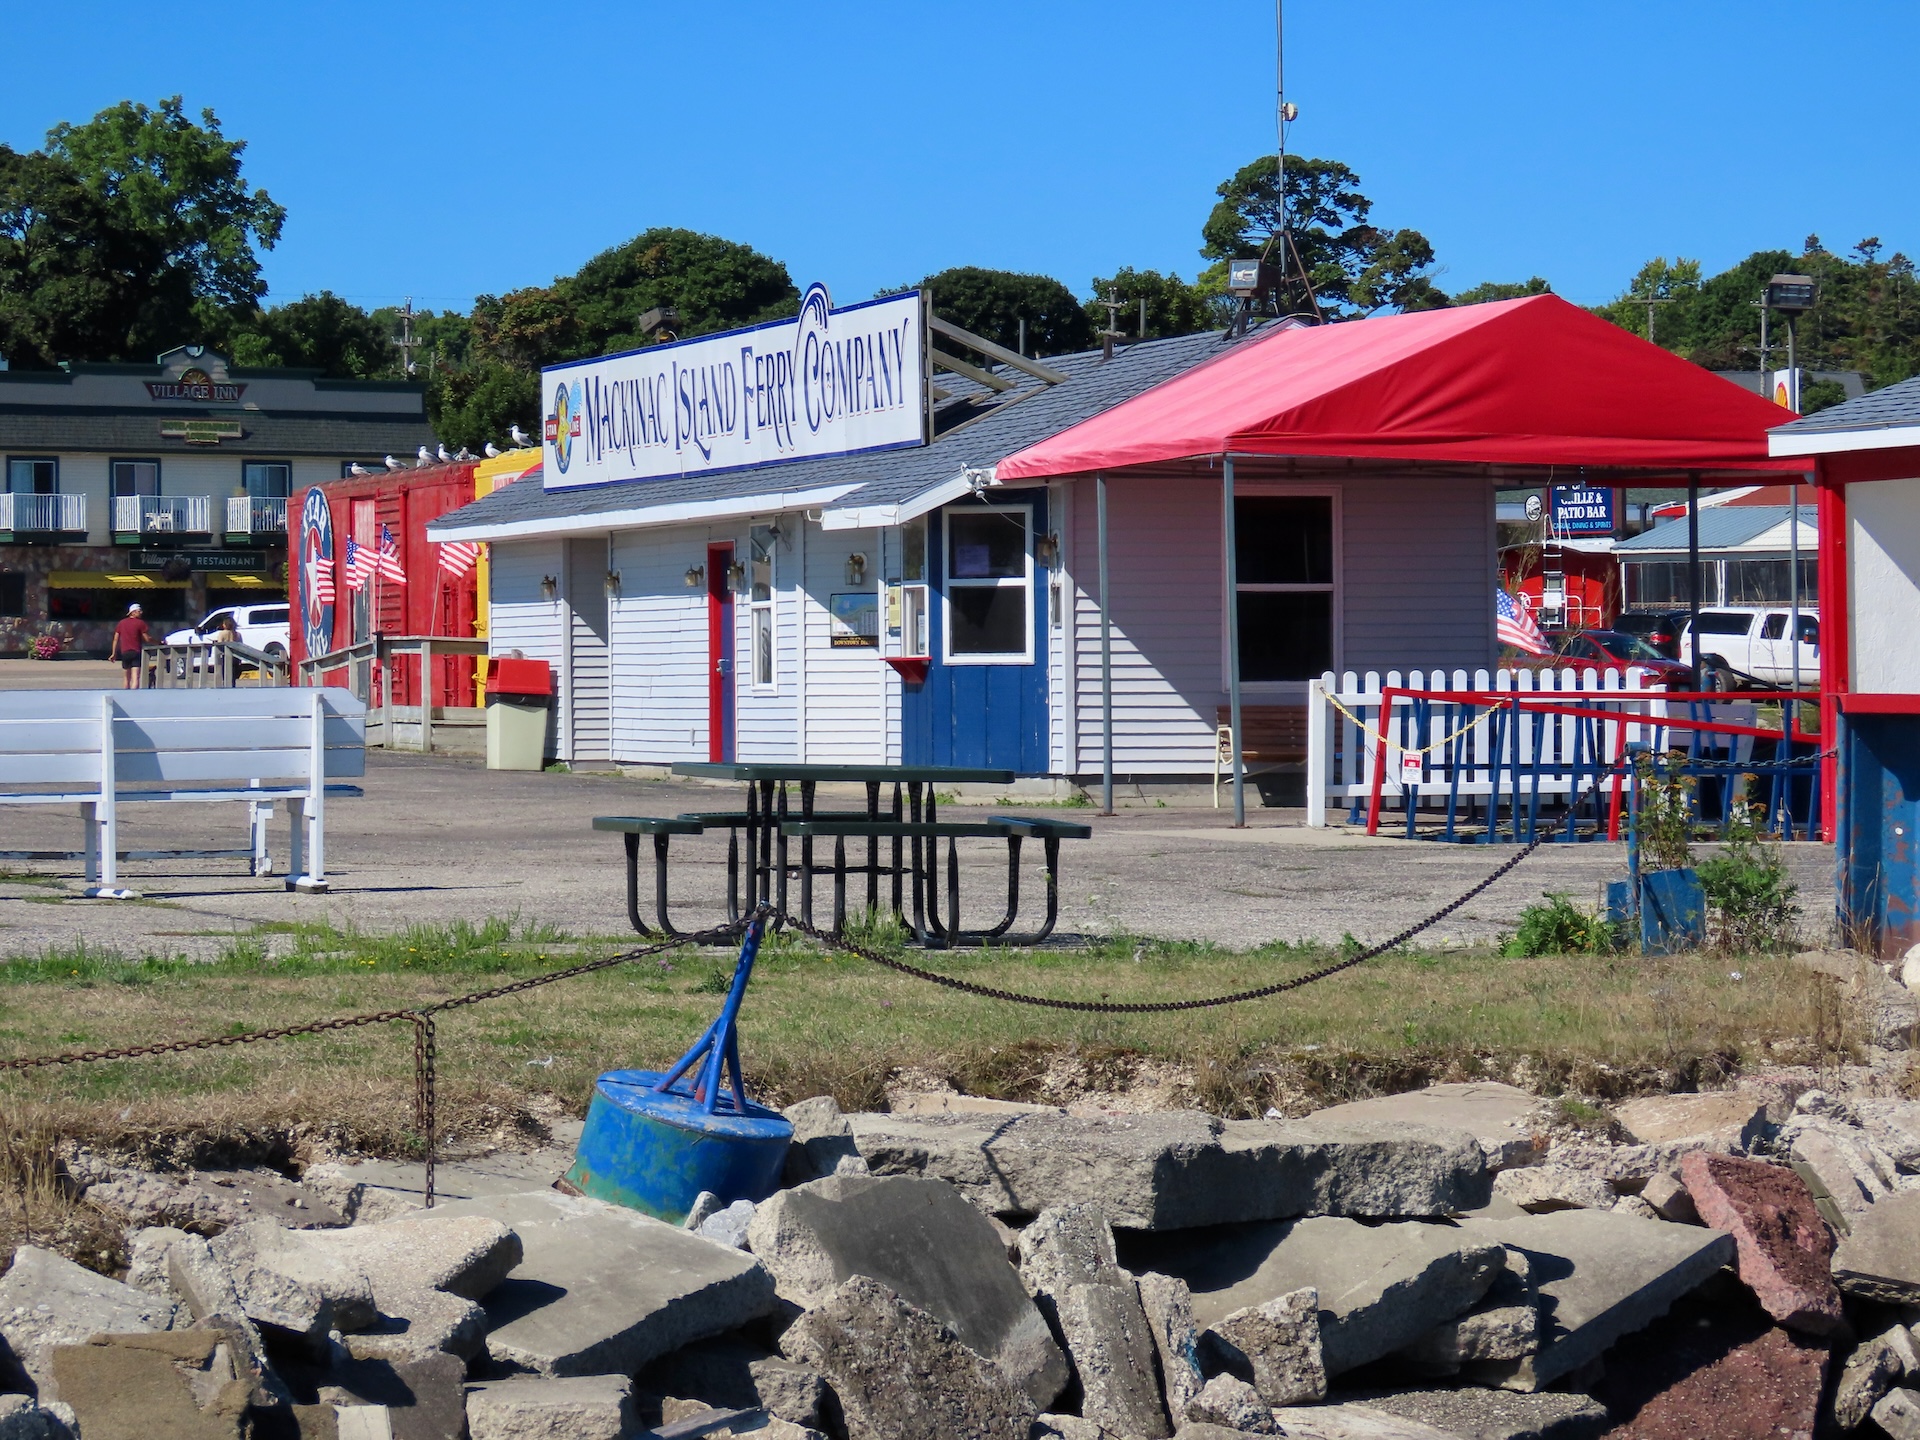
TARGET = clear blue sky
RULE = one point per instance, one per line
(444, 149)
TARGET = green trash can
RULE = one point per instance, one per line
(519, 695)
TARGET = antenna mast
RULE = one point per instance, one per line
(1283, 115)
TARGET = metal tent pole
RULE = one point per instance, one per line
(1793, 593)
(1106, 654)
(1233, 645)
(1693, 572)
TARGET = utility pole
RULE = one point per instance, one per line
(1650, 301)
(1112, 333)
(404, 340)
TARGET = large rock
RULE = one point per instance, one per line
(1503, 1118)
(922, 1241)
(1351, 1421)
(1178, 1169)
(47, 1301)
(205, 1202)
(601, 1289)
(822, 1142)
(1113, 1355)
(1230, 1402)
(176, 1385)
(1784, 1246)
(1540, 1189)
(1735, 1116)
(1474, 1414)
(1068, 1245)
(1667, 1197)
(287, 1283)
(1873, 1369)
(1380, 1287)
(733, 1374)
(1168, 1306)
(1893, 1125)
(414, 1324)
(425, 1399)
(1898, 1413)
(1505, 1325)
(1600, 1276)
(1853, 1170)
(898, 1371)
(1880, 1260)
(1276, 1346)
(577, 1407)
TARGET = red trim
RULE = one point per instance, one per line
(1836, 624)
(1852, 466)
(719, 653)
(912, 668)
(1879, 704)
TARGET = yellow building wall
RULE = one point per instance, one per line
(489, 476)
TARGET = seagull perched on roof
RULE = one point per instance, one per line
(356, 468)
(444, 456)
(393, 464)
(425, 455)
(490, 450)
(465, 454)
(520, 437)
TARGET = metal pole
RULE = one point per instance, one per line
(1106, 654)
(1793, 594)
(1693, 573)
(1233, 647)
(1793, 366)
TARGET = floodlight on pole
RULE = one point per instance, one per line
(1792, 295)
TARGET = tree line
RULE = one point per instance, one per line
(137, 231)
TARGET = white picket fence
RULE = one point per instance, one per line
(1555, 751)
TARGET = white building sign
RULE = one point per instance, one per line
(827, 382)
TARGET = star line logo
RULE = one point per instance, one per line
(563, 423)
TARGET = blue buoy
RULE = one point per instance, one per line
(655, 1139)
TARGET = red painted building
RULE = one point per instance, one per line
(432, 601)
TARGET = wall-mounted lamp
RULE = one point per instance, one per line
(613, 584)
(696, 576)
(549, 586)
(856, 568)
(1046, 550)
(736, 576)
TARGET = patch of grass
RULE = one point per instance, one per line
(1558, 927)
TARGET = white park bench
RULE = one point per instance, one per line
(101, 749)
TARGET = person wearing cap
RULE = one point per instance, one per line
(128, 636)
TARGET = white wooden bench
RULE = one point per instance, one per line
(101, 749)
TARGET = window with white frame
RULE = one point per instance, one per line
(760, 591)
(989, 585)
(1283, 553)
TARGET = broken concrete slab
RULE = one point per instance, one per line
(1067, 1427)
(172, 1385)
(1854, 1171)
(898, 1371)
(418, 1323)
(1380, 1287)
(1178, 1169)
(1068, 1245)
(1276, 1346)
(1670, 1201)
(728, 1225)
(205, 1201)
(1357, 1422)
(1505, 1325)
(1113, 1356)
(424, 1399)
(822, 1142)
(1233, 1404)
(1541, 1189)
(1875, 1367)
(23, 1418)
(1503, 1118)
(47, 1301)
(293, 1286)
(362, 1422)
(922, 1241)
(575, 1407)
(602, 1289)
(369, 1191)
(1898, 1413)
(1168, 1306)
(1880, 1260)
(946, 1102)
(1893, 1125)
(1600, 1276)
(147, 1259)
(466, 1255)
(1784, 1246)
(1735, 1116)
(736, 1374)
(1474, 1414)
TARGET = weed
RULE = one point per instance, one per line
(717, 981)
(877, 929)
(1749, 897)
(1558, 928)
(1665, 826)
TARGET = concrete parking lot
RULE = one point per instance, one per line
(437, 839)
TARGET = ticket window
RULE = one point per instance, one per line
(908, 600)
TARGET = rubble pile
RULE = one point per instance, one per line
(1449, 1264)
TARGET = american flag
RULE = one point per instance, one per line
(320, 578)
(1513, 626)
(458, 557)
(359, 565)
(387, 562)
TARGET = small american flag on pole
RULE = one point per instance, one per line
(387, 562)
(1513, 626)
(320, 578)
(359, 566)
(458, 557)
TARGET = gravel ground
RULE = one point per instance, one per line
(439, 839)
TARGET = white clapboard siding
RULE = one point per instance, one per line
(1418, 565)
(846, 702)
(520, 616)
(766, 719)
(589, 719)
(659, 633)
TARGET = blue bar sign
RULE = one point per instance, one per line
(1580, 511)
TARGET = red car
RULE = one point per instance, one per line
(1608, 650)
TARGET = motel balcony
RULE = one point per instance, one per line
(145, 519)
(253, 518)
(44, 518)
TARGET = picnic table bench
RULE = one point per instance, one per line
(909, 826)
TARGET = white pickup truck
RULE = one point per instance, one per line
(1737, 646)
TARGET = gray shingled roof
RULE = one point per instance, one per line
(1030, 413)
(357, 433)
(1897, 405)
(1720, 526)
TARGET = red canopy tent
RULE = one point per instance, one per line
(1515, 383)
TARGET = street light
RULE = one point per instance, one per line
(1792, 295)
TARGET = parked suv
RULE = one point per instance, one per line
(1747, 646)
(261, 627)
(1659, 628)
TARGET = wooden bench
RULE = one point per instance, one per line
(100, 750)
(1276, 735)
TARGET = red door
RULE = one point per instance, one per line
(719, 655)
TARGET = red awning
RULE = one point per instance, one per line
(1518, 382)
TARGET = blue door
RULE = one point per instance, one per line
(984, 701)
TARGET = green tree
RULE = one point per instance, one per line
(1501, 290)
(317, 332)
(535, 326)
(992, 303)
(176, 186)
(476, 403)
(714, 284)
(1356, 268)
(1173, 306)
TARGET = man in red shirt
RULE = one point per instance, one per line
(128, 636)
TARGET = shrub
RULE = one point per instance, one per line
(1666, 816)
(1749, 897)
(1558, 928)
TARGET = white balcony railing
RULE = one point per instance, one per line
(162, 515)
(43, 514)
(251, 515)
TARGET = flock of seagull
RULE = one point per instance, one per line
(443, 456)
